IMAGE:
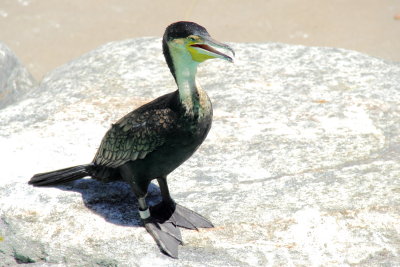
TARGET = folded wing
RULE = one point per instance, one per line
(135, 136)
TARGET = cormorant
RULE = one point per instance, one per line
(154, 139)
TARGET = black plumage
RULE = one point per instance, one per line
(139, 133)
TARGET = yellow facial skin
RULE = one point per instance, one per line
(199, 49)
(196, 55)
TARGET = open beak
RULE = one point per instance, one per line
(209, 47)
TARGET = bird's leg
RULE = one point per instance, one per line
(144, 211)
(180, 216)
(162, 182)
(166, 234)
(165, 209)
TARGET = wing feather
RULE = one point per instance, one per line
(135, 136)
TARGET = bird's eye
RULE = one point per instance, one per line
(191, 39)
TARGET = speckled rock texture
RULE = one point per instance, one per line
(15, 80)
(301, 166)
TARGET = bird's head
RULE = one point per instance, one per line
(187, 42)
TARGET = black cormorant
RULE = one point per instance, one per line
(151, 141)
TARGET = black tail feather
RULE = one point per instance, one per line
(60, 176)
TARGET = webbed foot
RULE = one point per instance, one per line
(166, 234)
(169, 211)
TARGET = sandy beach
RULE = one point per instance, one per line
(46, 33)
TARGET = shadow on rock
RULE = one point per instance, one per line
(114, 201)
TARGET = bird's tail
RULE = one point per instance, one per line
(60, 176)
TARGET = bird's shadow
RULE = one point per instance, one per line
(113, 201)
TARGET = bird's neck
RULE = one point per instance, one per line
(189, 89)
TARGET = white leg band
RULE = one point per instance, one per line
(144, 214)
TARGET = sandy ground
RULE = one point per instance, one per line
(48, 33)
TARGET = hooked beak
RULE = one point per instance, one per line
(208, 49)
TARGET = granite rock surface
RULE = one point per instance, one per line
(15, 80)
(301, 166)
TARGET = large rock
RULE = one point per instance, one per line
(15, 80)
(301, 166)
